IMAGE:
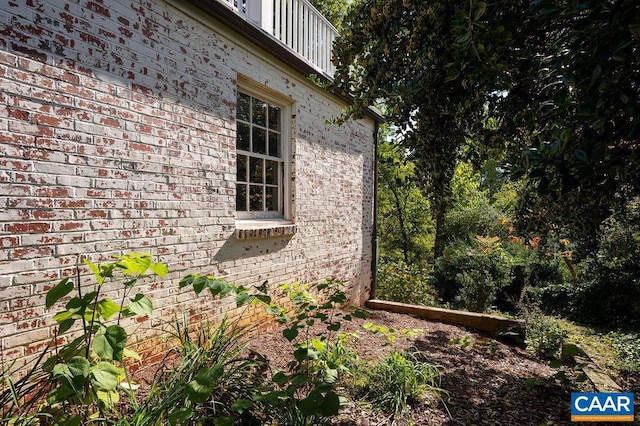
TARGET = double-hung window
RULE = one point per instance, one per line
(262, 154)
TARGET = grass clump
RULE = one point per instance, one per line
(400, 380)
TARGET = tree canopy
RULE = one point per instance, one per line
(553, 83)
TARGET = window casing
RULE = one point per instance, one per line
(262, 156)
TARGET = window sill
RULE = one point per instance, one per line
(267, 228)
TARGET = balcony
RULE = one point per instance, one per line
(294, 23)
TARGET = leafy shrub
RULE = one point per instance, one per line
(609, 293)
(543, 334)
(399, 282)
(471, 277)
(306, 393)
(399, 380)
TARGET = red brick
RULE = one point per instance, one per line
(28, 227)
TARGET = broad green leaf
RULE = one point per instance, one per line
(107, 308)
(330, 405)
(334, 327)
(95, 269)
(109, 343)
(75, 372)
(159, 269)
(135, 263)
(180, 416)
(105, 375)
(199, 284)
(199, 389)
(290, 333)
(128, 353)
(141, 305)
(279, 378)
(61, 289)
(108, 397)
(65, 325)
(311, 404)
(188, 280)
(244, 298)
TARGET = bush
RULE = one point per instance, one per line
(399, 282)
(609, 293)
(543, 334)
(471, 278)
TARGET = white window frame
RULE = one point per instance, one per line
(285, 104)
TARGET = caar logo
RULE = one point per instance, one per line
(601, 407)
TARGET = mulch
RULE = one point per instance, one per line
(484, 379)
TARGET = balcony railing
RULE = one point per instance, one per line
(296, 23)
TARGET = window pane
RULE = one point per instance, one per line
(242, 168)
(271, 198)
(243, 107)
(255, 198)
(242, 141)
(255, 170)
(274, 118)
(259, 109)
(271, 172)
(259, 140)
(274, 144)
(241, 198)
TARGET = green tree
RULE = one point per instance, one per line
(404, 222)
(573, 109)
(333, 10)
(433, 65)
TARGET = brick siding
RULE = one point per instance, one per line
(117, 134)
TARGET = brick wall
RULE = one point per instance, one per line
(117, 134)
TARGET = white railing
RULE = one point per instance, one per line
(295, 23)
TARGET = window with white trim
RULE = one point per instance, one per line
(262, 152)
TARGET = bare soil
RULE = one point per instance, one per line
(484, 379)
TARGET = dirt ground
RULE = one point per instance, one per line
(484, 378)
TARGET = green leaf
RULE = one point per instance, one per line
(198, 284)
(109, 343)
(290, 333)
(188, 280)
(279, 378)
(334, 327)
(141, 305)
(569, 350)
(95, 269)
(75, 372)
(556, 363)
(107, 308)
(128, 353)
(180, 416)
(65, 325)
(105, 375)
(159, 269)
(63, 288)
(199, 389)
(330, 405)
(244, 298)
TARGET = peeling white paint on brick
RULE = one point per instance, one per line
(117, 134)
